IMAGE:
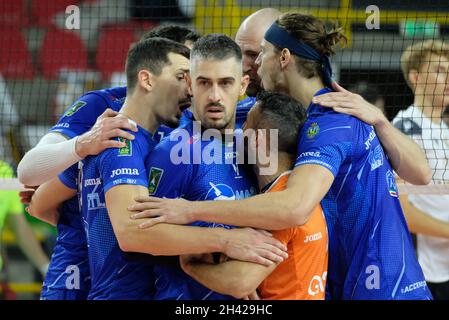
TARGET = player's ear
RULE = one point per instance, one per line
(285, 58)
(244, 84)
(146, 80)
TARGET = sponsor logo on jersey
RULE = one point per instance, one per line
(93, 199)
(155, 178)
(92, 182)
(127, 150)
(62, 125)
(371, 137)
(220, 192)
(376, 158)
(315, 154)
(317, 284)
(313, 130)
(127, 171)
(391, 183)
(313, 237)
(75, 108)
(414, 286)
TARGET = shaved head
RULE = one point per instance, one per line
(256, 24)
(248, 37)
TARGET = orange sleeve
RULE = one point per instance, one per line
(285, 235)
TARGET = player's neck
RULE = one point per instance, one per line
(285, 163)
(143, 116)
(303, 89)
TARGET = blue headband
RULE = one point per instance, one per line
(280, 37)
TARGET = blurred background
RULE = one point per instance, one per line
(47, 60)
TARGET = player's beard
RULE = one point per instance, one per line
(254, 86)
(216, 124)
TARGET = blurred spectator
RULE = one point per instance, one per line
(9, 121)
(425, 66)
(11, 212)
(71, 85)
(370, 92)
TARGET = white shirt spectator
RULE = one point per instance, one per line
(433, 252)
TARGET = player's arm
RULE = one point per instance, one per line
(236, 278)
(406, 157)
(307, 186)
(26, 239)
(48, 198)
(420, 222)
(167, 239)
(57, 151)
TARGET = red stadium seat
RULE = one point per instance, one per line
(12, 13)
(42, 11)
(62, 49)
(15, 59)
(112, 49)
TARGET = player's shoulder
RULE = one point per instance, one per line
(324, 122)
(112, 94)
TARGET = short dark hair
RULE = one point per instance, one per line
(282, 112)
(172, 32)
(216, 46)
(151, 54)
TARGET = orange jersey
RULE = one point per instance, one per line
(302, 276)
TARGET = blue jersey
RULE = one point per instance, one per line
(164, 130)
(114, 276)
(371, 255)
(194, 180)
(81, 116)
(68, 273)
(70, 249)
(243, 107)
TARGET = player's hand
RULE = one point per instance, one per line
(100, 137)
(252, 296)
(26, 194)
(258, 246)
(161, 210)
(344, 101)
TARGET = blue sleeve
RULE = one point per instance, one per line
(117, 166)
(326, 141)
(81, 116)
(69, 177)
